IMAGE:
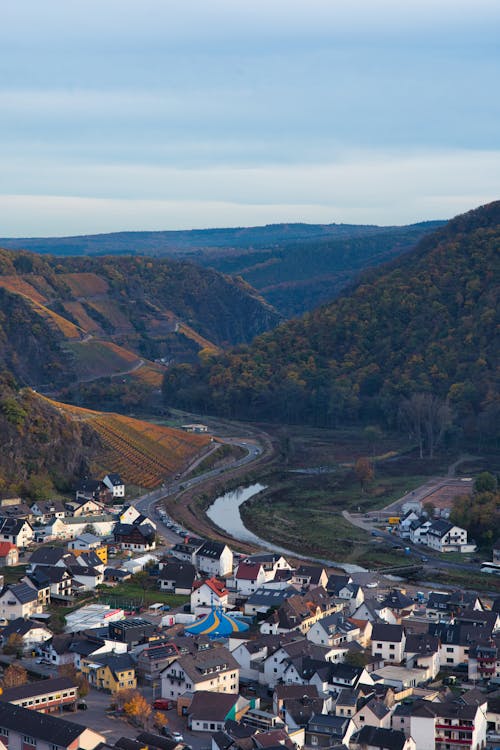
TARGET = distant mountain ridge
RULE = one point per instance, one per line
(296, 267)
(428, 321)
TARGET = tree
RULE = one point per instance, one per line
(137, 708)
(364, 471)
(14, 644)
(357, 658)
(485, 482)
(373, 434)
(80, 679)
(160, 720)
(14, 676)
(427, 417)
(429, 509)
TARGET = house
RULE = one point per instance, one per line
(377, 738)
(284, 655)
(456, 640)
(373, 713)
(44, 511)
(265, 599)
(25, 730)
(331, 677)
(129, 514)
(325, 730)
(18, 600)
(399, 603)
(300, 612)
(455, 723)
(86, 542)
(115, 485)
(249, 576)
(17, 531)
(333, 630)
(84, 506)
(388, 642)
(90, 489)
(418, 531)
(31, 632)
(151, 661)
(207, 594)
(140, 538)
(213, 669)
(405, 523)
(251, 655)
(88, 576)
(47, 696)
(484, 659)
(422, 650)
(272, 563)
(347, 702)
(444, 536)
(373, 610)
(176, 577)
(109, 671)
(214, 558)
(9, 554)
(310, 575)
(58, 579)
(209, 711)
(282, 694)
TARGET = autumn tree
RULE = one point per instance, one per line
(80, 679)
(14, 676)
(137, 708)
(160, 720)
(363, 470)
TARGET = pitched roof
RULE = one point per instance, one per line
(395, 599)
(21, 591)
(181, 573)
(5, 548)
(41, 726)
(214, 584)
(209, 706)
(211, 549)
(248, 571)
(49, 555)
(155, 740)
(387, 633)
(20, 626)
(392, 739)
(40, 687)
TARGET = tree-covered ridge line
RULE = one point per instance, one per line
(427, 323)
(55, 311)
(296, 267)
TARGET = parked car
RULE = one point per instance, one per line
(177, 736)
(162, 704)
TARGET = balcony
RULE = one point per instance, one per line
(456, 727)
(453, 741)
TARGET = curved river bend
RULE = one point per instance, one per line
(225, 513)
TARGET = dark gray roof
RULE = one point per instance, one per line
(20, 626)
(392, 739)
(387, 633)
(155, 740)
(49, 555)
(181, 573)
(115, 479)
(40, 726)
(40, 687)
(397, 600)
(211, 549)
(335, 726)
(12, 526)
(21, 591)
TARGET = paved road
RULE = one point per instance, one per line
(147, 502)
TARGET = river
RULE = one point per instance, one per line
(225, 513)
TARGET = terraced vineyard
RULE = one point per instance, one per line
(143, 453)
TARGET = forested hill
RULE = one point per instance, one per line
(427, 323)
(70, 319)
(295, 267)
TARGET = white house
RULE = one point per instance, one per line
(248, 578)
(18, 600)
(31, 632)
(213, 669)
(16, 530)
(115, 484)
(214, 559)
(388, 642)
(207, 594)
(444, 536)
(454, 723)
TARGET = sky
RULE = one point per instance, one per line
(177, 114)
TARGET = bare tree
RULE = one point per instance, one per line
(427, 417)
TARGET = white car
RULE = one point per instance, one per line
(177, 736)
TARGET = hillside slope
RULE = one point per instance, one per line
(63, 320)
(296, 267)
(430, 321)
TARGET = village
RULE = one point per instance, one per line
(239, 651)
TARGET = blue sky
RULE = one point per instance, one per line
(166, 114)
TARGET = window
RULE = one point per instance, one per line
(29, 740)
(449, 650)
(392, 647)
(449, 661)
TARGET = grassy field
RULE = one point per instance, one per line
(137, 593)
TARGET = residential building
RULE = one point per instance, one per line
(17, 531)
(9, 554)
(47, 696)
(207, 594)
(388, 642)
(176, 577)
(214, 559)
(115, 485)
(22, 729)
(213, 669)
(109, 671)
(18, 600)
(32, 633)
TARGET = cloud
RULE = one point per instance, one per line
(363, 187)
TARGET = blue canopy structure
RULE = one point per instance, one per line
(217, 624)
